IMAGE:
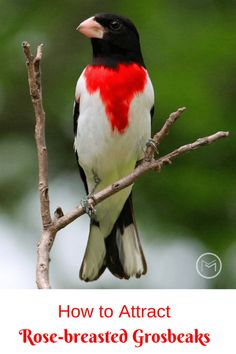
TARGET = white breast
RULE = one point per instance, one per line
(108, 152)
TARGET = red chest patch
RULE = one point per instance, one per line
(117, 88)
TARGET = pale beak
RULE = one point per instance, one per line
(91, 28)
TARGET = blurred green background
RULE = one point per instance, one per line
(187, 209)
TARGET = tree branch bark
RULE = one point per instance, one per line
(34, 79)
(33, 66)
(50, 226)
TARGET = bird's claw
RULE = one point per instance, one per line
(87, 204)
(152, 143)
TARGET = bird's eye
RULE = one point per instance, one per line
(115, 25)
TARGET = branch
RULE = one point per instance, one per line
(158, 137)
(34, 79)
(138, 172)
(33, 65)
(52, 226)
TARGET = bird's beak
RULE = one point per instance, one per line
(91, 28)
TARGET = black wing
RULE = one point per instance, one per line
(152, 112)
(76, 117)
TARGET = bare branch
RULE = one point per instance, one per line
(47, 238)
(158, 137)
(39, 53)
(60, 220)
(33, 65)
(138, 172)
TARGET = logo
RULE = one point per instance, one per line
(208, 265)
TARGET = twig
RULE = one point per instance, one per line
(159, 136)
(138, 172)
(52, 226)
(33, 66)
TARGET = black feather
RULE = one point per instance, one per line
(152, 112)
(125, 219)
(117, 46)
(76, 117)
(82, 173)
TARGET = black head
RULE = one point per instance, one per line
(114, 38)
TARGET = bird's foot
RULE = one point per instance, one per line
(149, 153)
(152, 143)
(87, 204)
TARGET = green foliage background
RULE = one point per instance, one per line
(189, 49)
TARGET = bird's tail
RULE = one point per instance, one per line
(124, 254)
(121, 252)
(94, 262)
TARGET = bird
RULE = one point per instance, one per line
(113, 109)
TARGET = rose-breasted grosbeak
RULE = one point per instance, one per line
(114, 103)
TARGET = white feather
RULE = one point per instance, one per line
(129, 251)
(108, 153)
(94, 254)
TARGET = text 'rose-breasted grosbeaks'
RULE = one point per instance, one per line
(114, 103)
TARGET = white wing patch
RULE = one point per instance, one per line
(129, 251)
